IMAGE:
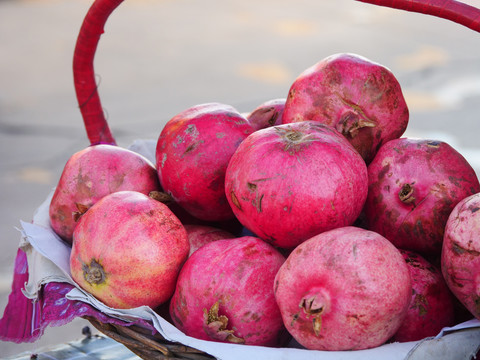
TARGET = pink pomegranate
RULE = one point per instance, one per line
(360, 98)
(267, 114)
(344, 289)
(224, 293)
(231, 226)
(413, 186)
(92, 173)
(431, 306)
(128, 250)
(193, 151)
(199, 235)
(461, 253)
(290, 182)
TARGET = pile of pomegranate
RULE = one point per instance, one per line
(309, 219)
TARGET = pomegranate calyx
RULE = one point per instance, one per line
(406, 193)
(314, 306)
(351, 122)
(94, 273)
(215, 326)
(82, 209)
(311, 306)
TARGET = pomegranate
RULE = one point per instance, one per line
(461, 253)
(431, 306)
(224, 293)
(199, 235)
(290, 182)
(267, 114)
(128, 250)
(192, 154)
(232, 226)
(344, 289)
(413, 186)
(358, 97)
(92, 173)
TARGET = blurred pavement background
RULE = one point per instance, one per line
(158, 57)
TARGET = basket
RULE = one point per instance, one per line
(139, 340)
(147, 346)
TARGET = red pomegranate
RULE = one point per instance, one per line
(199, 235)
(344, 289)
(267, 114)
(192, 154)
(431, 305)
(92, 173)
(358, 97)
(461, 253)
(128, 250)
(414, 184)
(290, 182)
(224, 293)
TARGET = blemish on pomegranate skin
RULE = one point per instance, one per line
(250, 250)
(273, 119)
(235, 201)
(164, 158)
(459, 250)
(456, 282)
(192, 147)
(294, 318)
(258, 203)
(384, 170)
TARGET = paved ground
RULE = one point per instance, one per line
(159, 57)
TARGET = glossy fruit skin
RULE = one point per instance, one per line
(460, 259)
(356, 96)
(414, 184)
(431, 306)
(192, 154)
(224, 293)
(290, 182)
(92, 173)
(344, 289)
(128, 250)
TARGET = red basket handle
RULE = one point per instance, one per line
(452, 10)
(96, 125)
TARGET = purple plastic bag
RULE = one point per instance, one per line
(25, 320)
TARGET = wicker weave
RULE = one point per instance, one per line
(145, 345)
